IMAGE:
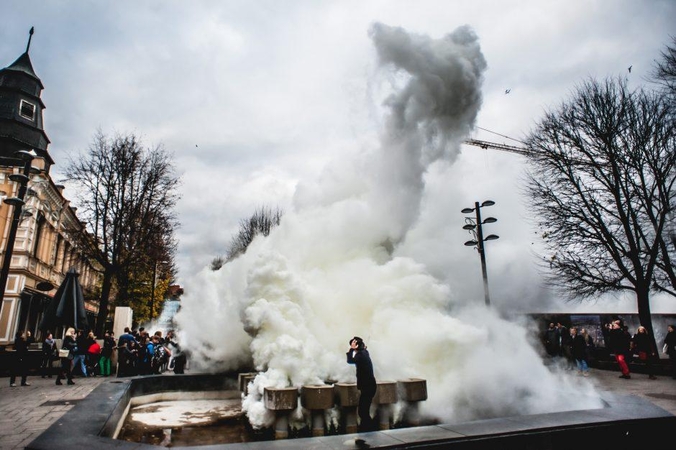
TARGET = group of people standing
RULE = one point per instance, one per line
(80, 352)
(139, 353)
(578, 346)
(624, 346)
(575, 346)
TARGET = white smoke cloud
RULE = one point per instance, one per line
(331, 269)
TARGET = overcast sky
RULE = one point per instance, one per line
(256, 98)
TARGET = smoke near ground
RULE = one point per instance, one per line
(332, 270)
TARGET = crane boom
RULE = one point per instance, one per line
(486, 145)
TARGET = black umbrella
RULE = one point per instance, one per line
(67, 307)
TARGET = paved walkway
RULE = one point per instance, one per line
(25, 412)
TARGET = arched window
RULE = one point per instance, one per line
(40, 223)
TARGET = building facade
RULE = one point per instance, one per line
(43, 248)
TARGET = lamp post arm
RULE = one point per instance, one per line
(16, 218)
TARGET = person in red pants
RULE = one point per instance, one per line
(620, 343)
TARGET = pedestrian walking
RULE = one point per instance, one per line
(619, 345)
(579, 352)
(670, 348)
(642, 344)
(48, 353)
(20, 364)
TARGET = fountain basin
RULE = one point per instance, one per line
(186, 420)
(623, 422)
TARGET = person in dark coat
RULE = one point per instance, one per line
(366, 381)
(48, 349)
(578, 348)
(642, 344)
(93, 354)
(178, 359)
(107, 353)
(126, 353)
(566, 346)
(552, 340)
(670, 348)
(80, 360)
(589, 342)
(619, 345)
(69, 344)
(564, 342)
(20, 366)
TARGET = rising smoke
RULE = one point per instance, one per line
(331, 269)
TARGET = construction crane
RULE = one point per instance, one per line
(525, 152)
(486, 145)
(518, 150)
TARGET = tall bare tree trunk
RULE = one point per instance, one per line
(644, 314)
(103, 303)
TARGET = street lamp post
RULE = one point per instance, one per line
(474, 226)
(152, 288)
(17, 202)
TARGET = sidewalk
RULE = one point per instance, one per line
(660, 392)
(25, 412)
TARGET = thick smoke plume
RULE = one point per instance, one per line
(331, 269)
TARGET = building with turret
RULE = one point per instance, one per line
(39, 238)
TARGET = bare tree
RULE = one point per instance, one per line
(664, 72)
(126, 198)
(664, 75)
(601, 183)
(260, 222)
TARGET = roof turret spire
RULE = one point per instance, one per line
(30, 36)
(21, 124)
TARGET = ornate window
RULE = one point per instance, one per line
(39, 230)
(27, 110)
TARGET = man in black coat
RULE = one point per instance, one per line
(125, 354)
(366, 381)
(20, 366)
(79, 362)
(552, 340)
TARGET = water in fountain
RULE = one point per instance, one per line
(347, 259)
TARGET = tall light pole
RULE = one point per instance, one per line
(17, 202)
(474, 226)
(152, 288)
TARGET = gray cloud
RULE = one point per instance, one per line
(271, 94)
